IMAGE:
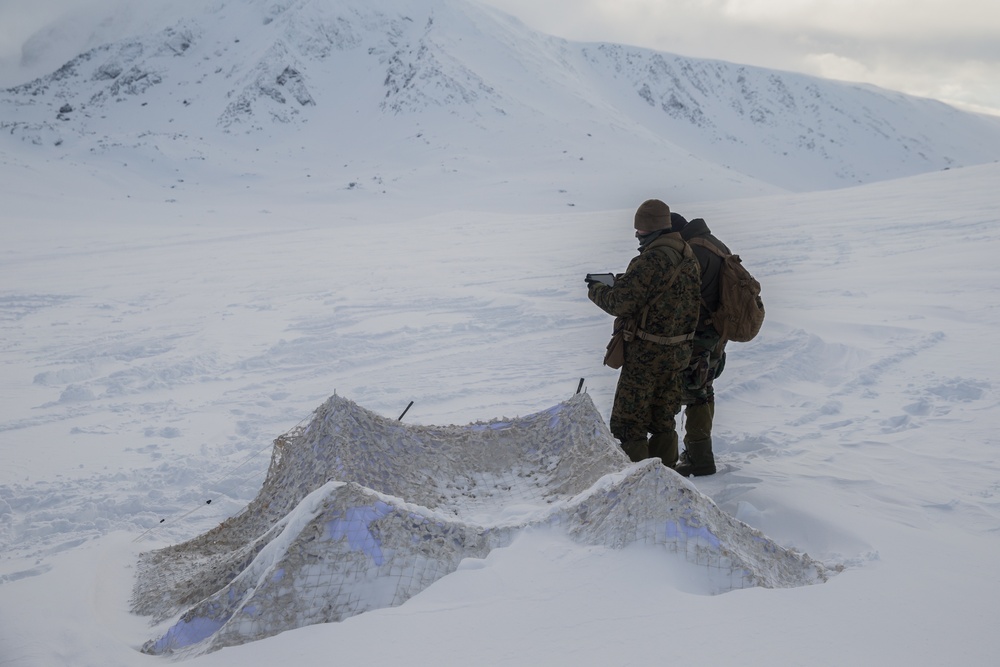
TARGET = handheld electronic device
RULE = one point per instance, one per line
(606, 278)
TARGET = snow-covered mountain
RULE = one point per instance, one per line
(401, 95)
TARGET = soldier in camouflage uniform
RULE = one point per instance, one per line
(708, 357)
(650, 385)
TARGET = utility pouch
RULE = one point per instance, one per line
(698, 372)
(624, 330)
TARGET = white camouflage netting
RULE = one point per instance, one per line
(360, 512)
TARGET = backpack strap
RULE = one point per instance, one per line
(702, 242)
(705, 243)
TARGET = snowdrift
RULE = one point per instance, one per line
(360, 512)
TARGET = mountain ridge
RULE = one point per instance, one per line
(452, 94)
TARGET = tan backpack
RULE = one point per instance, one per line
(741, 312)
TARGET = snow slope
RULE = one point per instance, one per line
(149, 362)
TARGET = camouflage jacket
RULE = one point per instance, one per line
(670, 314)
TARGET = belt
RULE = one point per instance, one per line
(664, 340)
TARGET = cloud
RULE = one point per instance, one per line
(833, 66)
(39, 36)
(908, 19)
(946, 49)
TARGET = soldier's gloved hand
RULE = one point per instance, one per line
(590, 281)
(720, 365)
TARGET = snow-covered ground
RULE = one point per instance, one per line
(152, 350)
(176, 293)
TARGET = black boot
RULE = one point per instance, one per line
(637, 450)
(664, 446)
(687, 469)
(698, 459)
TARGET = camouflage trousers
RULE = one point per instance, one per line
(648, 396)
(698, 394)
(706, 364)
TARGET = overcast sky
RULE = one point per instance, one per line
(946, 49)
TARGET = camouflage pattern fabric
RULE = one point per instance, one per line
(649, 391)
(650, 387)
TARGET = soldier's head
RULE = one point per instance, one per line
(652, 216)
(677, 222)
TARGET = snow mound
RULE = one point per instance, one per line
(360, 512)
